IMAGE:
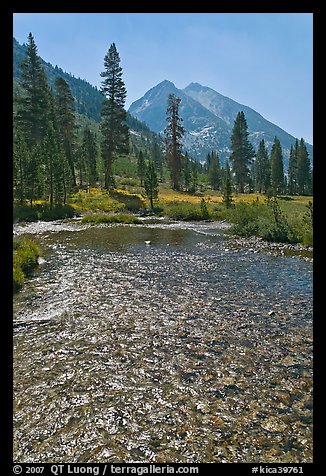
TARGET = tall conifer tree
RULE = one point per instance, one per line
(214, 171)
(34, 173)
(194, 176)
(277, 167)
(227, 186)
(304, 183)
(86, 159)
(262, 169)
(141, 167)
(157, 155)
(54, 177)
(91, 152)
(293, 170)
(33, 106)
(242, 152)
(151, 183)
(113, 126)
(186, 171)
(66, 122)
(173, 137)
(207, 163)
(20, 164)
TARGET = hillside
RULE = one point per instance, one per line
(88, 99)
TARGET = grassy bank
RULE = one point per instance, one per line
(25, 259)
(285, 219)
(102, 201)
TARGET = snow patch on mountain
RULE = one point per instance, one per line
(146, 103)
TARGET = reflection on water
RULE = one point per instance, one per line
(186, 350)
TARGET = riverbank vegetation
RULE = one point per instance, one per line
(264, 217)
(25, 259)
(287, 219)
(42, 211)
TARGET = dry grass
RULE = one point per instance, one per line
(168, 195)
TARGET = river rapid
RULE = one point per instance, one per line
(193, 348)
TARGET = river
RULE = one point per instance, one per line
(193, 348)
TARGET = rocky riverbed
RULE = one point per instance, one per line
(195, 348)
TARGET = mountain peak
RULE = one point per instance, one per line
(195, 86)
(161, 88)
(166, 82)
(163, 85)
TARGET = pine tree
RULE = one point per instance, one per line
(242, 152)
(151, 183)
(114, 129)
(50, 153)
(33, 106)
(57, 171)
(293, 171)
(262, 169)
(34, 173)
(277, 168)
(141, 167)
(207, 163)
(20, 162)
(251, 179)
(303, 170)
(214, 171)
(227, 187)
(173, 136)
(90, 151)
(186, 172)
(66, 122)
(157, 156)
(193, 176)
(80, 162)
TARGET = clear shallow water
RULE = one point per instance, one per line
(187, 350)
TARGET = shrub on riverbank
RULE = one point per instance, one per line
(268, 221)
(124, 218)
(83, 202)
(42, 211)
(304, 228)
(25, 259)
(133, 202)
(187, 211)
(103, 201)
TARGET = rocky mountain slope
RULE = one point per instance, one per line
(208, 118)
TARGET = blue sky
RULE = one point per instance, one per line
(262, 60)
